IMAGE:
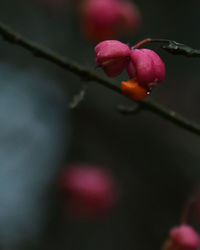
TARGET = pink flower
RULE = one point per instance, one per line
(183, 237)
(146, 67)
(112, 56)
(103, 19)
(89, 191)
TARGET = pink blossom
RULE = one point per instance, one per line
(90, 191)
(112, 56)
(146, 67)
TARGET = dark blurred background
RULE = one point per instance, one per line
(155, 163)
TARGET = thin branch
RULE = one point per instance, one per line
(171, 47)
(172, 116)
(89, 75)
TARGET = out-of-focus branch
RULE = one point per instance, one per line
(78, 98)
(89, 75)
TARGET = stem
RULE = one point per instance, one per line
(172, 116)
(171, 47)
(89, 75)
(149, 40)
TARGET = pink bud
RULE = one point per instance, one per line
(90, 191)
(146, 66)
(184, 238)
(112, 56)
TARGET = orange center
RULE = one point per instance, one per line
(133, 90)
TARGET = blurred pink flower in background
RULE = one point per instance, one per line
(182, 237)
(88, 191)
(104, 19)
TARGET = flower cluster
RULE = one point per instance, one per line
(103, 19)
(144, 67)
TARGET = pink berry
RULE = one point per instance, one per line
(184, 237)
(89, 191)
(146, 66)
(112, 56)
